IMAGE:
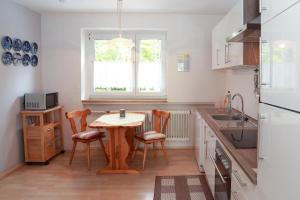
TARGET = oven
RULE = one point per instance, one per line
(222, 165)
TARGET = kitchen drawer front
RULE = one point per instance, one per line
(49, 149)
(237, 192)
(48, 131)
(241, 178)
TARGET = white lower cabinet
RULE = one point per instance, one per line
(236, 191)
(199, 141)
(210, 147)
(241, 186)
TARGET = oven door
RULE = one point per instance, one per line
(222, 181)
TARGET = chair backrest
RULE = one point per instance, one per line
(161, 119)
(82, 114)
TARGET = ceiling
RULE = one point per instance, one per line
(169, 6)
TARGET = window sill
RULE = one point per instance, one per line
(123, 101)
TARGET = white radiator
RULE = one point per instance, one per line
(178, 132)
(178, 126)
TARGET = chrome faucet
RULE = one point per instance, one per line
(242, 101)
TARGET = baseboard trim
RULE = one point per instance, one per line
(7, 172)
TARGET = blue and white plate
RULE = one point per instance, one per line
(6, 43)
(17, 45)
(34, 48)
(7, 58)
(34, 61)
(17, 59)
(26, 60)
(26, 47)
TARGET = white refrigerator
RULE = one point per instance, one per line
(279, 111)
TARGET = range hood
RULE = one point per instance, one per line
(251, 30)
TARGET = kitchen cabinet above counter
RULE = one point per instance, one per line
(227, 54)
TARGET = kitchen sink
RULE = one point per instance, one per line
(226, 117)
(242, 138)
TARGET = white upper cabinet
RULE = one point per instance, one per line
(231, 54)
(218, 44)
(271, 8)
(234, 50)
(280, 63)
(224, 54)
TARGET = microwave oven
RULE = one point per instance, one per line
(40, 101)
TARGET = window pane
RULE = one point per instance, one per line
(150, 66)
(113, 70)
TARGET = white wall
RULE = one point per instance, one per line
(191, 34)
(242, 81)
(22, 23)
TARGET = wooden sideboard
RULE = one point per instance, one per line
(43, 134)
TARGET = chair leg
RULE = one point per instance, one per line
(89, 155)
(103, 148)
(135, 149)
(154, 150)
(164, 150)
(73, 152)
(145, 155)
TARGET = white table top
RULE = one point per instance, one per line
(116, 120)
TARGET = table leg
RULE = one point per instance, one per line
(119, 150)
(130, 140)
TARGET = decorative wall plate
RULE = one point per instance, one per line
(17, 59)
(34, 61)
(17, 45)
(6, 43)
(26, 60)
(7, 58)
(34, 48)
(26, 47)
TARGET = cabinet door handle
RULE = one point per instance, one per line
(262, 42)
(237, 176)
(218, 51)
(228, 55)
(225, 54)
(262, 118)
(262, 7)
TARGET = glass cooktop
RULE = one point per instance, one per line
(242, 139)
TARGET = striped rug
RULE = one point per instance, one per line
(181, 188)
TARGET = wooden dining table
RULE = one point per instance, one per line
(121, 132)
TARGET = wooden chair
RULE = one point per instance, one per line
(84, 135)
(160, 120)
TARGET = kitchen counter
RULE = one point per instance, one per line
(246, 158)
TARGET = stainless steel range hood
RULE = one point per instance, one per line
(250, 31)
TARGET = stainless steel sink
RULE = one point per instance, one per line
(242, 138)
(226, 117)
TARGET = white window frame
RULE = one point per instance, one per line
(136, 35)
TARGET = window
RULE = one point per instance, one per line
(133, 66)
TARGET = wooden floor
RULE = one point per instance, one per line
(59, 181)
